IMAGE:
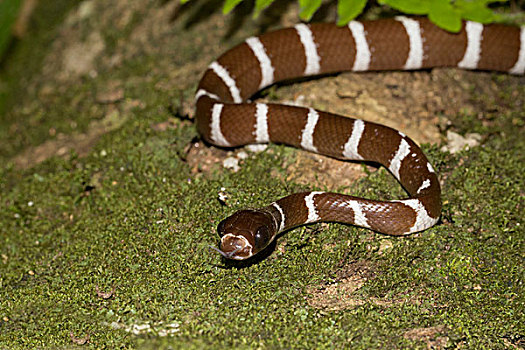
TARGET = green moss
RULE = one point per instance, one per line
(144, 228)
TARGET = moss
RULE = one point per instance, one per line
(137, 221)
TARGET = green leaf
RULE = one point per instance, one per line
(8, 12)
(413, 7)
(308, 8)
(444, 15)
(347, 10)
(260, 5)
(475, 11)
(230, 5)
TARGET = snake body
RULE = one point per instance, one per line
(224, 117)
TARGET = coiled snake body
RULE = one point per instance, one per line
(224, 118)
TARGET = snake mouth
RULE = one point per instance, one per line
(235, 247)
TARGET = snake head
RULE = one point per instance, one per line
(246, 233)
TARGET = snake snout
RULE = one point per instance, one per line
(236, 247)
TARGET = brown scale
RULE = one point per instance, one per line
(232, 129)
(388, 42)
(498, 47)
(284, 47)
(335, 46)
(243, 67)
(297, 216)
(285, 124)
(332, 133)
(212, 83)
(442, 48)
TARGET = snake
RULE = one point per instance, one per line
(225, 117)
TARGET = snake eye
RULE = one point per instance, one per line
(220, 228)
(262, 236)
